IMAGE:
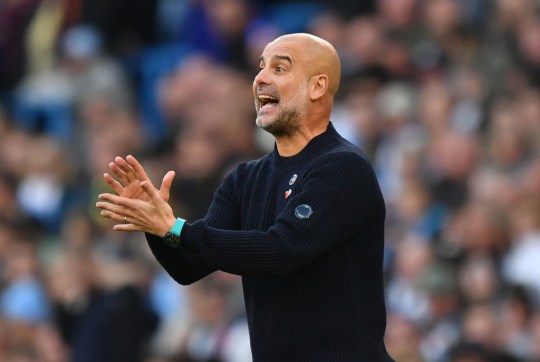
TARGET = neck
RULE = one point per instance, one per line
(291, 145)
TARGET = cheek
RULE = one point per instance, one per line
(297, 96)
(292, 92)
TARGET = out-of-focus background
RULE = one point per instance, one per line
(444, 96)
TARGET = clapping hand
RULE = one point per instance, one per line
(137, 205)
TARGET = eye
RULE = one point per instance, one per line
(279, 69)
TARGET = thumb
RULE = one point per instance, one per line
(152, 193)
(165, 188)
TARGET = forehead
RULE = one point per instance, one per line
(280, 47)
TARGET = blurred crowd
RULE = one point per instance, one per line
(443, 95)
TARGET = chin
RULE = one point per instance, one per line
(264, 122)
(278, 129)
(283, 124)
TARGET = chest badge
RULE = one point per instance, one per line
(303, 211)
(288, 193)
(293, 179)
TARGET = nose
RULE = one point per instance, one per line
(261, 77)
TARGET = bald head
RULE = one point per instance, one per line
(318, 55)
(298, 77)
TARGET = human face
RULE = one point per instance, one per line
(281, 90)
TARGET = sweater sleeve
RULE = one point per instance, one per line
(339, 190)
(187, 266)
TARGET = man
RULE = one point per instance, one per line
(303, 225)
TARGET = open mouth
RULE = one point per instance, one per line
(267, 101)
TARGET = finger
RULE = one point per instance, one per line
(125, 167)
(114, 209)
(108, 197)
(123, 224)
(116, 186)
(114, 216)
(119, 205)
(121, 175)
(152, 193)
(137, 168)
(126, 227)
(165, 188)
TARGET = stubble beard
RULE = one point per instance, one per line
(289, 117)
(284, 125)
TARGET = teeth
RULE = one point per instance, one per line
(266, 97)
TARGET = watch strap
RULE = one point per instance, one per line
(177, 227)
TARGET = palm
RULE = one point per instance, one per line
(133, 190)
(130, 174)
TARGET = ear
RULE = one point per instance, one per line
(318, 86)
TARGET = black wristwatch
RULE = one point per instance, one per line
(172, 238)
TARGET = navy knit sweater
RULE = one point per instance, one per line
(306, 235)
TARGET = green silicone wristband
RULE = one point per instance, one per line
(178, 225)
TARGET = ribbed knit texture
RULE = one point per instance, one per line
(313, 287)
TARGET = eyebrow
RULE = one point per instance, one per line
(279, 57)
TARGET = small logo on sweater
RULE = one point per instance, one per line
(293, 179)
(288, 193)
(303, 211)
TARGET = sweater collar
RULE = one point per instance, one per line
(313, 148)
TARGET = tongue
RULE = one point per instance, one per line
(269, 105)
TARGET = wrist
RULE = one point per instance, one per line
(176, 228)
(172, 237)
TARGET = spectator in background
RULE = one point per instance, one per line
(44, 183)
(99, 306)
(48, 23)
(212, 331)
(126, 26)
(24, 304)
(400, 138)
(403, 339)
(516, 316)
(218, 28)
(442, 328)
(405, 295)
(14, 19)
(520, 264)
(24, 299)
(47, 99)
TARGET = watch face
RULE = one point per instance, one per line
(171, 240)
